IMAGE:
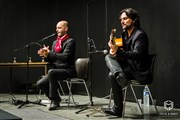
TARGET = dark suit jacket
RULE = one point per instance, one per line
(65, 59)
(136, 62)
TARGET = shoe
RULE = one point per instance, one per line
(54, 104)
(112, 111)
(122, 80)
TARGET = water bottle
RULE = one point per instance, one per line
(14, 60)
(43, 59)
(146, 96)
(30, 59)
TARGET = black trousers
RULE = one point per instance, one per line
(115, 68)
(49, 83)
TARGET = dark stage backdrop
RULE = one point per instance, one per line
(24, 21)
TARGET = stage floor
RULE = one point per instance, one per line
(30, 111)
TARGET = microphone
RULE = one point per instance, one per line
(100, 52)
(47, 37)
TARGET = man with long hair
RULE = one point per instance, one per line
(129, 62)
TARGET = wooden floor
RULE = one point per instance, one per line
(31, 111)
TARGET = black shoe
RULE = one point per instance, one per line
(122, 80)
(54, 104)
(112, 111)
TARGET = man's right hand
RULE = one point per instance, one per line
(43, 51)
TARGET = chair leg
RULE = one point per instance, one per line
(124, 102)
(87, 91)
(39, 96)
(59, 93)
(69, 84)
(110, 98)
(152, 100)
(136, 98)
(60, 86)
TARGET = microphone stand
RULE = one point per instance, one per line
(91, 50)
(27, 69)
(27, 80)
(92, 47)
(38, 102)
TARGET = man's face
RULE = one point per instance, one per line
(126, 22)
(61, 28)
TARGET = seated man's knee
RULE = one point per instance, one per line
(50, 72)
(107, 57)
(40, 81)
(54, 75)
(111, 76)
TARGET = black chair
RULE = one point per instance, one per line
(135, 83)
(82, 67)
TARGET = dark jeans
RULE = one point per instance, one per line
(49, 83)
(113, 64)
(115, 68)
(117, 92)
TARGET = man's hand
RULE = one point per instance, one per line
(43, 51)
(112, 52)
(113, 48)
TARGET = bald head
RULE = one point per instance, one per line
(62, 28)
(64, 23)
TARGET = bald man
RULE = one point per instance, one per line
(61, 58)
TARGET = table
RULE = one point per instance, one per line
(23, 64)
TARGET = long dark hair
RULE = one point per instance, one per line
(131, 13)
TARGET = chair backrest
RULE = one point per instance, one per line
(151, 62)
(149, 80)
(82, 66)
(151, 66)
